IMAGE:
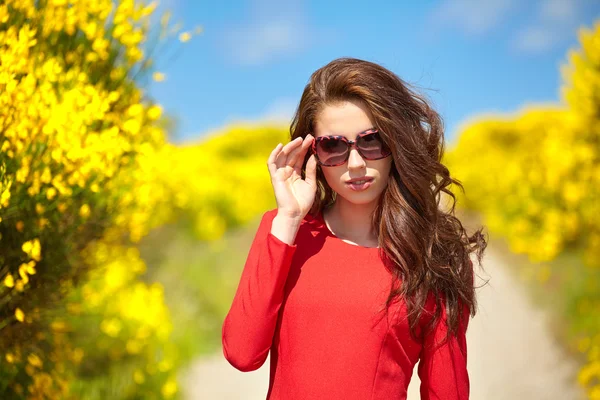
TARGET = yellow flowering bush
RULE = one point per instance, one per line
(538, 184)
(220, 183)
(209, 188)
(77, 135)
(120, 321)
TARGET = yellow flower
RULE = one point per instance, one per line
(23, 273)
(169, 388)
(3, 14)
(46, 175)
(184, 37)
(149, 9)
(30, 267)
(135, 110)
(84, 211)
(19, 314)
(23, 173)
(132, 126)
(90, 29)
(50, 193)
(33, 249)
(43, 222)
(134, 54)
(138, 377)
(113, 96)
(158, 76)
(34, 360)
(5, 196)
(154, 112)
(9, 281)
(111, 327)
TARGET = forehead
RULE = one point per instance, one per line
(346, 118)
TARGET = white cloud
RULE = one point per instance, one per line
(552, 22)
(559, 10)
(535, 39)
(555, 21)
(473, 17)
(272, 29)
(280, 110)
(259, 43)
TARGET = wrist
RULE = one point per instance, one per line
(292, 220)
(285, 228)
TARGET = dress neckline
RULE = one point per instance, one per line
(321, 219)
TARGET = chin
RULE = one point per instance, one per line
(365, 197)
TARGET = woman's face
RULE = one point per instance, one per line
(348, 119)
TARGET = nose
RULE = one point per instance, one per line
(355, 160)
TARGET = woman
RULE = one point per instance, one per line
(358, 273)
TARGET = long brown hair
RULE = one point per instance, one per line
(426, 248)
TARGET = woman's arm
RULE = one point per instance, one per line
(443, 366)
(248, 328)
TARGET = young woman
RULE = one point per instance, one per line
(358, 273)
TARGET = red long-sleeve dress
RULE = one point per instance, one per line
(314, 305)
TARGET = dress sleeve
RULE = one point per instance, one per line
(443, 365)
(248, 328)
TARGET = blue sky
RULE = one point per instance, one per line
(253, 58)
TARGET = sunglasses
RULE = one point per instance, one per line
(333, 150)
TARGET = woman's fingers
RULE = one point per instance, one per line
(271, 162)
(299, 158)
(311, 171)
(282, 158)
(296, 157)
(292, 154)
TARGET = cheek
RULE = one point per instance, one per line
(333, 176)
(384, 167)
(384, 171)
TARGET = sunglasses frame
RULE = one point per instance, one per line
(349, 145)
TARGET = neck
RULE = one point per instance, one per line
(352, 221)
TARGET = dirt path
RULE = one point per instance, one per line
(512, 356)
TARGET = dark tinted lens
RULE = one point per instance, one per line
(372, 146)
(331, 151)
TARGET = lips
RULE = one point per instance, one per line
(358, 186)
(364, 178)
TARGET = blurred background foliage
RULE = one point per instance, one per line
(116, 244)
(537, 185)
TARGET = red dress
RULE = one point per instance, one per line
(314, 305)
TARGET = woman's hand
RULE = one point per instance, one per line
(294, 195)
